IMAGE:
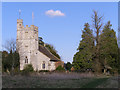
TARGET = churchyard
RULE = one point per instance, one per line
(59, 80)
(86, 51)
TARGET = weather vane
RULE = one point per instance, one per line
(32, 17)
(19, 13)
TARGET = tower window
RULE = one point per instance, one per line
(26, 59)
(20, 24)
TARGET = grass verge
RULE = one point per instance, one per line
(94, 83)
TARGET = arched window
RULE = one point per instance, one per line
(43, 65)
(26, 59)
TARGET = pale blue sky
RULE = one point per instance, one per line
(63, 32)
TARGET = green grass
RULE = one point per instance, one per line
(56, 80)
(95, 82)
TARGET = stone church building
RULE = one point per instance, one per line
(31, 52)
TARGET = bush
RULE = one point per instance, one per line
(28, 68)
(17, 70)
(60, 68)
(68, 66)
(44, 71)
(114, 71)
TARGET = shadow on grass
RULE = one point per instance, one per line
(94, 83)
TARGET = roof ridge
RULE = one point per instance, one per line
(52, 54)
(42, 52)
(49, 52)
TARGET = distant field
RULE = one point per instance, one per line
(59, 80)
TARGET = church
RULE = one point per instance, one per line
(31, 52)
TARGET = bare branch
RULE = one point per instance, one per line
(97, 23)
(10, 45)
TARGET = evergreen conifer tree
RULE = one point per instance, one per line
(83, 59)
(108, 48)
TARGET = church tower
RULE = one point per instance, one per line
(26, 43)
(27, 46)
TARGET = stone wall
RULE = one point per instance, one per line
(27, 45)
(27, 42)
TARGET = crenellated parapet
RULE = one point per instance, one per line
(20, 26)
(32, 27)
(19, 20)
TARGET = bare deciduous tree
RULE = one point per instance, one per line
(10, 47)
(97, 23)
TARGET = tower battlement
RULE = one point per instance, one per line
(32, 27)
(21, 26)
(19, 20)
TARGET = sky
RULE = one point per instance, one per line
(59, 23)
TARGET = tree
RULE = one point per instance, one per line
(97, 23)
(109, 48)
(60, 68)
(119, 61)
(68, 66)
(83, 59)
(52, 50)
(119, 49)
(12, 60)
(4, 61)
(41, 41)
(17, 61)
(8, 63)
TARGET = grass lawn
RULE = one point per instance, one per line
(95, 82)
(59, 80)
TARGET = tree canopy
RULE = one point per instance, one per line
(83, 59)
(52, 50)
(108, 47)
(97, 51)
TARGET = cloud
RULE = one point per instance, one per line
(53, 13)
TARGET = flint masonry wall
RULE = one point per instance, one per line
(27, 41)
(27, 45)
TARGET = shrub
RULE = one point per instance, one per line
(28, 68)
(44, 71)
(60, 68)
(68, 66)
(72, 69)
(114, 71)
